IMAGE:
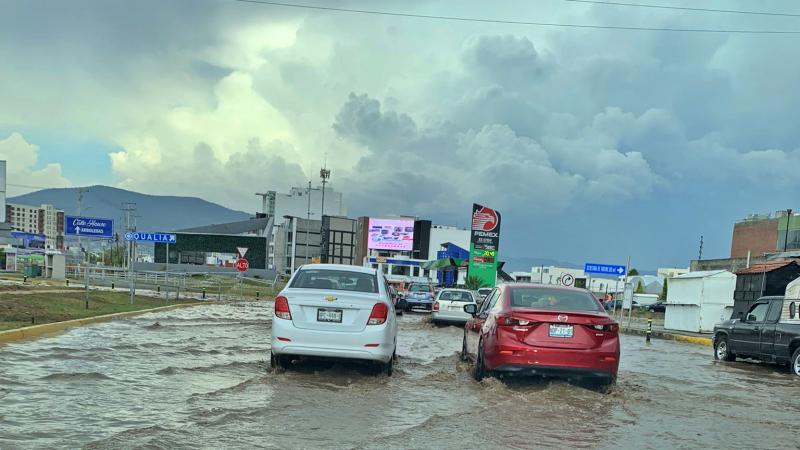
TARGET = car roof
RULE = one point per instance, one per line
(455, 290)
(345, 267)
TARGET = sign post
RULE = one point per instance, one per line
(484, 244)
(132, 237)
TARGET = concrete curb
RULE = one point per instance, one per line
(35, 331)
(698, 340)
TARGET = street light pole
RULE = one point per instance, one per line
(786, 236)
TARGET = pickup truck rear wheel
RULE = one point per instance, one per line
(722, 351)
(794, 364)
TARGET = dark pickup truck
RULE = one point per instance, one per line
(769, 332)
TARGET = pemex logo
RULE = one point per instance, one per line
(484, 219)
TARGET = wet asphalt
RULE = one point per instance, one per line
(198, 378)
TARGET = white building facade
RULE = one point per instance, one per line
(44, 219)
(297, 203)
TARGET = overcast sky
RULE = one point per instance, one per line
(594, 144)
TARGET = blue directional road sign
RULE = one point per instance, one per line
(605, 269)
(88, 226)
(141, 236)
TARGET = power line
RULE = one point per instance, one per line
(516, 22)
(686, 8)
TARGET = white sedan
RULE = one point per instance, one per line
(335, 311)
(449, 306)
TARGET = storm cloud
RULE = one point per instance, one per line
(594, 144)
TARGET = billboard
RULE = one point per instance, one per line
(484, 244)
(88, 226)
(30, 240)
(390, 234)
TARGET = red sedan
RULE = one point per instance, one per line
(542, 330)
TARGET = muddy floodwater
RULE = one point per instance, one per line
(198, 377)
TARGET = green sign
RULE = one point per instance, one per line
(484, 244)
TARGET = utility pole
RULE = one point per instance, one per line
(786, 237)
(324, 173)
(81, 191)
(700, 254)
(308, 219)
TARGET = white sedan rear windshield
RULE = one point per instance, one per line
(553, 299)
(340, 280)
(456, 296)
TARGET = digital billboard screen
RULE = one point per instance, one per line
(391, 234)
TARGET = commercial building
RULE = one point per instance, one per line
(5, 227)
(44, 219)
(297, 242)
(758, 239)
(759, 234)
(217, 245)
(339, 240)
(299, 203)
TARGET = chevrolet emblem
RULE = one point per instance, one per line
(330, 298)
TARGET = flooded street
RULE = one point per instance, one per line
(198, 377)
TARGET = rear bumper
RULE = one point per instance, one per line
(423, 304)
(602, 362)
(556, 372)
(290, 340)
(453, 318)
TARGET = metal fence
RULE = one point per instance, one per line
(199, 285)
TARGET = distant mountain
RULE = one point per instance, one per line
(154, 212)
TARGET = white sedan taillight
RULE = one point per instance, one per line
(282, 308)
(379, 314)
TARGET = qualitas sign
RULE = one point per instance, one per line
(484, 244)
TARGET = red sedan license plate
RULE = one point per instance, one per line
(329, 315)
(560, 330)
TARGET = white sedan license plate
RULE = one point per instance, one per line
(560, 331)
(329, 315)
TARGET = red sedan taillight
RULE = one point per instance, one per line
(379, 314)
(612, 328)
(282, 308)
(436, 306)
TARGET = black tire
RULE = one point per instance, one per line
(479, 370)
(722, 351)
(464, 356)
(387, 369)
(278, 362)
(794, 363)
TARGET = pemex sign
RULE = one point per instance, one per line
(484, 244)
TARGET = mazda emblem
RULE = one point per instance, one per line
(563, 318)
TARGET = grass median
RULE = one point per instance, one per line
(17, 311)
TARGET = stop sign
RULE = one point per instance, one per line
(242, 265)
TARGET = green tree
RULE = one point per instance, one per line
(640, 288)
(473, 283)
(663, 296)
(633, 272)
